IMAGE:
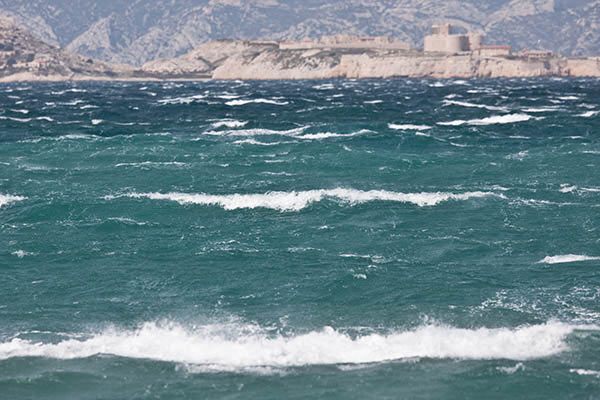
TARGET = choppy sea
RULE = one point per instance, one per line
(378, 239)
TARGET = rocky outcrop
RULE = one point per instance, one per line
(24, 57)
(254, 60)
(136, 32)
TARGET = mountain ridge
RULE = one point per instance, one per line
(145, 30)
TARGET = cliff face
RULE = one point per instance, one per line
(24, 57)
(248, 60)
(139, 31)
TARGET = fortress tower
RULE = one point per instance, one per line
(442, 39)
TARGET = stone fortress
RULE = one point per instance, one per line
(347, 42)
(443, 40)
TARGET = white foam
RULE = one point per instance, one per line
(181, 100)
(20, 111)
(97, 121)
(373, 102)
(256, 142)
(473, 105)
(15, 119)
(6, 198)
(224, 347)
(541, 109)
(588, 114)
(512, 370)
(499, 119)
(20, 253)
(325, 86)
(409, 127)
(567, 189)
(585, 372)
(151, 164)
(258, 101)
(74, 90)
(326, 135)
(229, 123)
(295, 201)
(568, 97)
(228, 96)
(567, 258)
(257, 132)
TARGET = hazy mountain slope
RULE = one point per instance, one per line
(144, 30)
(25, 57)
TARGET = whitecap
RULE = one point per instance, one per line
(6, 198)
(295, 201)
(473, 105)
(326, 135)
(541, 109)
(257, 132)
(503, 119)
(567, 258)
(588, 114)
(181, 100)
(15, 119)
(512, 370)
(22, 253)
(408, 127)
(97, 121)
(567, 189)
(325, 86)
(226, 347)
(257, 101)
(20, 111)
(151, 164)
(229, 123)
(373, 102)
(585, 372)
(258, 143)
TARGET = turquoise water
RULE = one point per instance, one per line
(321, 239)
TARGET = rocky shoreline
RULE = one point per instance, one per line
(26, 58)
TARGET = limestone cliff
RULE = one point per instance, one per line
(260, 60)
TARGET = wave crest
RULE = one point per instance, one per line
(6, 198)
(227, 348)
(567, 258)
(295, 201)
(498, 119)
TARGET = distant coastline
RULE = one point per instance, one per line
(447, 55)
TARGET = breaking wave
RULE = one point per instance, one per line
(408, 127)
(295, 201)
(5, 199)
(229, 123)
(473, 105)
(225, 347)
(567, 258)
(257, 132)
(588, 114)
(498, 119)
(258, 101)
(326, 135)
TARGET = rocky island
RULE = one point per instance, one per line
(446, 55)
